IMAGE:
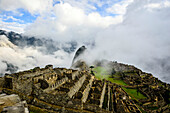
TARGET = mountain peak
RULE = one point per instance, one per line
(78, 54)
(4, 42)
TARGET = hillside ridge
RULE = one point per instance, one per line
(70, 90)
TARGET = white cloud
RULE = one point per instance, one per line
(33, 6)
(12, 26)
(13, 19)
(119, 8)
(158, 5)
(142, 39)
(70, 23)
(28, 57)
(92, 5)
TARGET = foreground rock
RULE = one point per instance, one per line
(12, 104)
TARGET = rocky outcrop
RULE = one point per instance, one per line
(78, 54)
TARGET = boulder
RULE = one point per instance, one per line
(12, 104)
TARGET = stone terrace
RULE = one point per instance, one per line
(67, 90)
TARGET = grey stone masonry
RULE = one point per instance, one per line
(56, 84)
(108, 102)
(77, 86)
(86, 91)
(12, 104)
(102, 95)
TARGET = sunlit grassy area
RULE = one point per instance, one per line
(120, 82)
(134, 94)
(101, 73)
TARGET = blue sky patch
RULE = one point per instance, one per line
(21, 16)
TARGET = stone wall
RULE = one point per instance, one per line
(77, 86)
(23, 86)
(2, 81)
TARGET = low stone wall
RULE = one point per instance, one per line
(56, 84)
(74, 74)
(77, 86)
(102, 95)
(23, 86)
(87, 90)
(2, 81)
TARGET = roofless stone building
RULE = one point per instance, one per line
(68, 90)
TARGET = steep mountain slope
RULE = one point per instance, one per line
(19, 52)
(51, 46)
(78, 53)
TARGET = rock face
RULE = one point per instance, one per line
(78, 54)
(68, 90)
(12, 104)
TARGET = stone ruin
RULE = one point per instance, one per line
(67, 90)
(12, 104)
(157, 93)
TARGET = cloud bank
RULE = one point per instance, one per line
(70, 23)
(29, 57)
(142, 39)
(130, 31)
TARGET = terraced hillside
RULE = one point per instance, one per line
(66, 90)
(149, 93)
(104, 87)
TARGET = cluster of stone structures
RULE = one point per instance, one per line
(157, 92)
(67, 90)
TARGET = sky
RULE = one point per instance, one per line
(135, 32)
(17, 15)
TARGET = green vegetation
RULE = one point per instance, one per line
(141, 109)
(131, 74)
(134, 93)
(117, 81)
(160, 84)
(153, 108)
(101, 73)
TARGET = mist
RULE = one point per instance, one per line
(29, 57)
(140, 39)
(140, 36)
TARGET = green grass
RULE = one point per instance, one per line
(153, 108)
(132, 74)
(101, 73)
(119, 82)
(133, 93)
